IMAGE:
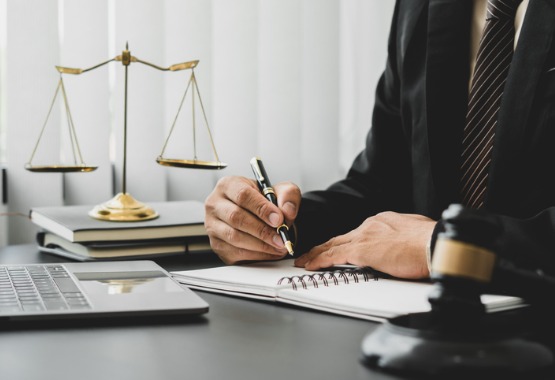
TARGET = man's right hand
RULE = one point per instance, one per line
(241, 222)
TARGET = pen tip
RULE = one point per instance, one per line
(289, 247)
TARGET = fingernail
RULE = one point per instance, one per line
(289, 208)
(274, 219)
(277, 241)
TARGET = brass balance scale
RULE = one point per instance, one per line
(123, 207)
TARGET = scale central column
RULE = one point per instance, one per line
(123, 207)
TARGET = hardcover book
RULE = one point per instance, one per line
(177, 219)
(130, 249)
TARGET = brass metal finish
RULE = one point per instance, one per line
(60, 168)
(176, 67)
(198, 164)
(126, 57)
(455, 258)
(183, 66)
(268, 190)
(69, 70)
(289, 247)
(123, 208)
(282, 226)
(191, 164)
(78, 163)
(282, 230)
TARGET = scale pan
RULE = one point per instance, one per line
(192, 164)
(60, 168)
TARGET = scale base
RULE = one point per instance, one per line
(413, 345)
(123, 208)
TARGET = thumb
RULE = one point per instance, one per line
(289, 199)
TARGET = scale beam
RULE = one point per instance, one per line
(123, 207)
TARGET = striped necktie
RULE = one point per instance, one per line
(490, 74)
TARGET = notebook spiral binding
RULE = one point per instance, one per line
(324, 278)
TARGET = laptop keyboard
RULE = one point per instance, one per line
(29, 288)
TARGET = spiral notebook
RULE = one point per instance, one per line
(354, 292)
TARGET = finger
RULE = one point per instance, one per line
(246, 195)
(333, 255)
(221, 209)
(289, 199)
(320, 249)
(243, 230)
(234, 255)
(315, 251)
(246, 222)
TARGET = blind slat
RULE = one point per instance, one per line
(236, 80)
(32, 53)
(140, 23)
(188, 36)
(364, 27)
(84, 40)
(320, 94)
(279, 100)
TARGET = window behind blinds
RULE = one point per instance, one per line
(291, 81)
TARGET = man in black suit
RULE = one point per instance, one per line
(384, 213)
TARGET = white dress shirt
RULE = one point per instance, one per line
(479, 21)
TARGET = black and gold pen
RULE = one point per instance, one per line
(266, 188)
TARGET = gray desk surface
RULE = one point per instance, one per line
(237, 339)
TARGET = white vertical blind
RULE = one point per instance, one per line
(319, 105)
(141, 23)
(279, 95)
(236, 81)
(188, 35)
(291, 81)
(33, 50)
(83, 40)
(3, 210)
(3, 42)
(363, 50)
(3, 207)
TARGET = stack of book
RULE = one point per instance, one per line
(70, 232)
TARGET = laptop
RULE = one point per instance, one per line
(93, 289)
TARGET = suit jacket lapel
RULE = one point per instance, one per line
(528, 64)
(447, 75)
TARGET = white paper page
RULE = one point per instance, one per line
(379, 299)
(259, 278)
(383, 298)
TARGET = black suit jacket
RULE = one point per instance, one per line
(411, 162)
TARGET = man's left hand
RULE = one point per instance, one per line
(390, 242)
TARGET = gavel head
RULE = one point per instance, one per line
(462, 264)
(457, 339)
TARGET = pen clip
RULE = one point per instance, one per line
(257, 171)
